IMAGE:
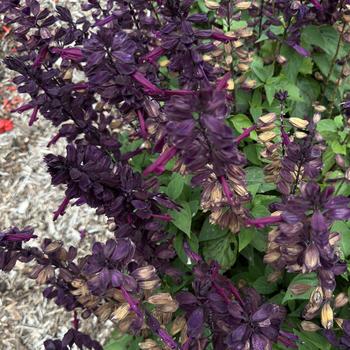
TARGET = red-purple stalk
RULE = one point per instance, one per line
(158, 166)
(246, 133)
(226, 189)
(163, 217)
(143, 126)
(132, 303)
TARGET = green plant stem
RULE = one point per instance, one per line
(334, 60)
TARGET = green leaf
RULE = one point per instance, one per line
(309, 279)
(183, 219)
(211, 232)
(344, 230)
(175, 186)
(261, 71)
(328, 160)
(252, 153)
(338, 148)
(122, 342)
(327, 128)
(223, 250)
(245, 236)
(312, 341)
(262, 286)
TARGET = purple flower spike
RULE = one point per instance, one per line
(54, 140)
(70, 53)
(158, 166)
(16, 235)
(61, 209)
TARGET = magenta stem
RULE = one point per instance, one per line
(132, 302)
(75, 321)
(235, 293)
(61, 209)
(269, 220)
(246, 133)
(285, 137)
(159, 165)
(225, 187)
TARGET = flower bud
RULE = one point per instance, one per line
(319, 108)
(347, 174)
(160, 299)
(212, 5)
(267, 136)
(249, 84)
(271, 257)
(316, 297)
(268, 118)
(148, 344)
(299, 123)
(121, 312)
(299, 288)
(308, 326)
(340, 161)
(316, 118)
(243, 67)
(327, 316)
(339, 322)
(244, 5)
(230, 85)
(281, 59)
(340, 300)
(274, 276)
(319, 76)
(300, 135)
(311, 257)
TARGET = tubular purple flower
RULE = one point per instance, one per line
(153, 55)
(23, 108)
(245, 134)
(19, 237)
(103, 21)
(221, 37)
(150, 88)
(178, 92)
(143, 126)
(54, 140)
(70, 53)
(41, 56)
(80, 86)
(158, 166)
(191, 254)
(61, 209)
(34, 116)
(261, 222)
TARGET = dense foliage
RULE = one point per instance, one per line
(214, 136)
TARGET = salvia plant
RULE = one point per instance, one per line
(214, 137)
